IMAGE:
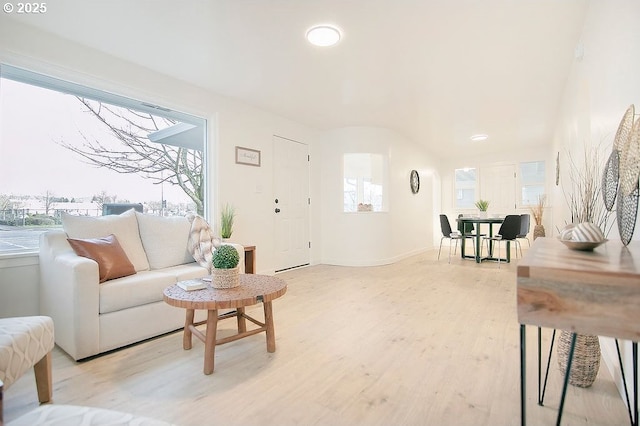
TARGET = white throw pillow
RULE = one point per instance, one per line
(165, 240)
(124, 226)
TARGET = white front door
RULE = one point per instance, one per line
(291, 203)
(498, 186)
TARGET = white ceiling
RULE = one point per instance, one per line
(437, 71)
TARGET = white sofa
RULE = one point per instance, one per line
(92, 317)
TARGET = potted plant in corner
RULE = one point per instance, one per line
(224, 273)
(482, 205)
(227, 215)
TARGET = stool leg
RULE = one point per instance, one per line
(210, 341)
(270, 330)
(44, 384)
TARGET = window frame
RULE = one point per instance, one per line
(521, 184)
(361, 181)
(38, 79)
(456, 188)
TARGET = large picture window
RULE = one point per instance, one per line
(69, 148)
(465, 188)
(364, 182)
(532, 180)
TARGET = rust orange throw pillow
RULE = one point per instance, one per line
(107, 252)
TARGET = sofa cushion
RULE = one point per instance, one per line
(134, 290)
(189, 271)
(124, 226)
(164, 240)
(107, 252)
(144, 287)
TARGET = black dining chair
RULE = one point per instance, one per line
(447, 232)
(508, 231)
(525, 225)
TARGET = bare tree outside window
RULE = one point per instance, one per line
(136, 154)
(47, 199)
(103, 198)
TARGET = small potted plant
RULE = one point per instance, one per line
(227, 215)
(225, 267)
(482, 205)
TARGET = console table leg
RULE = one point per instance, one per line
(634, 346)
(523, 356)
(539, 366)
(210, 341)
(567, 373)
(546, 375)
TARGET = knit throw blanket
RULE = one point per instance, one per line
(202, 241)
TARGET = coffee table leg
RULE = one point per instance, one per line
(242, 322)
(186, 338)
(268, 320)
(210, 341)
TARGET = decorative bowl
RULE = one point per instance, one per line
(582, 245)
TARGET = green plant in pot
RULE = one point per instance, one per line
(225, 267)
(482, 205)
(227, 215)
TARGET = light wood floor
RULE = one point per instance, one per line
(420, 342)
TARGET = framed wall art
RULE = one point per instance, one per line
(247, 156)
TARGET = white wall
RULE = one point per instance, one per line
(231, 123)
(600, 87)
(376, 238)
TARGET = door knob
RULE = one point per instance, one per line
(277, 210)
(276, 201)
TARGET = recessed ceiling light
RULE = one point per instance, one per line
(323, 35)
(477, 138)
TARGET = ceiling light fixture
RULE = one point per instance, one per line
(478, 138)
(323, 35)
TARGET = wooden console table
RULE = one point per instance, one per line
(587, 292)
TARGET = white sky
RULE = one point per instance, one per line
(31, 162)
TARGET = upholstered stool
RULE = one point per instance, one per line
(27, 342)
(71, 415)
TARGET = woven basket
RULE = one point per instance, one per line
(538, 231)
(225, 278)
(586, 358)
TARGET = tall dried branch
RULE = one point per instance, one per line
(136, 154)
(538, 209)
(584, 193)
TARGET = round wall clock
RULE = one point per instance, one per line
(414, 180)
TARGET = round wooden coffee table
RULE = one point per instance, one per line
(253, 289)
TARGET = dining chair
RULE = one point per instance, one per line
(469, 231)
(525, 225)
(447, 232)
(508, 231)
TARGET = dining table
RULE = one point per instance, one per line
(477, 221)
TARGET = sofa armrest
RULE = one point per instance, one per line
(70, 294)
